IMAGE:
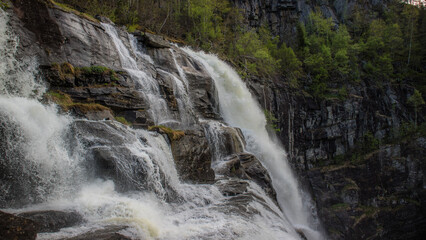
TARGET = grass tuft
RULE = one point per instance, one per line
(172, 134)
(64, 101)
(123, 121)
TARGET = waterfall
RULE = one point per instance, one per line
(240, 109)
(33, 142)
(112, 174)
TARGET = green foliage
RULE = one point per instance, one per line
(67, 8)
(97, 70)
(4, 5)
(369, 143)
(271, 121)
(255, 55)
(416, 100)
(379, 46)
(123, 121)
(289, 64)
(65, 102)
(173, 135)
(340, 206)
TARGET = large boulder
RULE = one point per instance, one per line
(192, 157)
(17, 228)
(247, 166)
(53, 221)
(152, 40)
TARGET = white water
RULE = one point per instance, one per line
(147, 84)
(62, 181)
(136, 51)
(240, 109)
(32, 138)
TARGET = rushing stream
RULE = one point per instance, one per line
(47, 158)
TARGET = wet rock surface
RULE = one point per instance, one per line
(108, 233)
(193, 161)
(247, 166)
(52, 221)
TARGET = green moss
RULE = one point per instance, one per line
(351, 185)
(97, 70)
(67, 70)
(4, 5)
(123, 121)
(369, 211)
(66, 8)
(172, 134)
(66, 103)
(340, 206)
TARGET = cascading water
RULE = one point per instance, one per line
(240, 109)
(147, 84)
(142, 193)
(32, 144)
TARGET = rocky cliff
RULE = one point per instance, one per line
(367, 181)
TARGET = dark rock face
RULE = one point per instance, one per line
(247, 166)
(381, 197)
(16, 228)
(52, 221)
(193, 161)
(353, 196)
(65, 37)
(283, 15)
(36, 17)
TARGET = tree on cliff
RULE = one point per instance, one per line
(416, 101)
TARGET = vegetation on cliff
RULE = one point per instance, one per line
(384, 45)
